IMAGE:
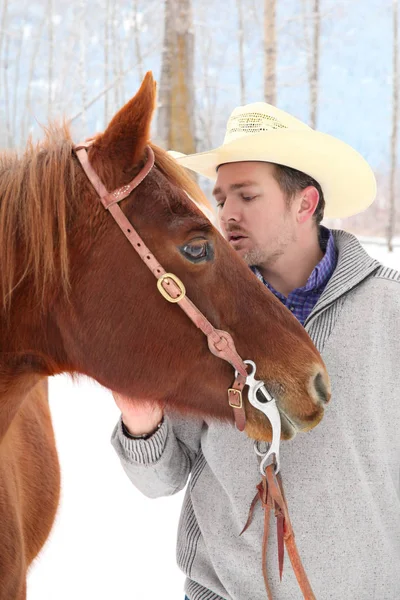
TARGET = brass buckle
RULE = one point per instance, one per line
(164, 292)
(238, 393)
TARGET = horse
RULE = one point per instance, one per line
(76, 298)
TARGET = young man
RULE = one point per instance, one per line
(274, 177)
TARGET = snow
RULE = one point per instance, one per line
(377, 248)
(109, 541)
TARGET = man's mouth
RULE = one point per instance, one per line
(235, 238)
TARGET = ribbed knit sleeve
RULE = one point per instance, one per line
(160, 466)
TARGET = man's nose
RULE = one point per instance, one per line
(229, 212)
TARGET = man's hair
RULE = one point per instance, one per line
(292, 181)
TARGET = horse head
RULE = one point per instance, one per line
(79, 299)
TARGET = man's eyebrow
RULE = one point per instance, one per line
(234, 186)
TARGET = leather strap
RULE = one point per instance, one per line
(270, 494)
(108, 199)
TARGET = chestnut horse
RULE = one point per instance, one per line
(76, 298)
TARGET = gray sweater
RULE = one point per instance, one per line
(342, 480)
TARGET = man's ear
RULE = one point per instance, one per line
(124, 141)
(309, 199)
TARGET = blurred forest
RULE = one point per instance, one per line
(332, 64)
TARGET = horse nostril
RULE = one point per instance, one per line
(321, 388)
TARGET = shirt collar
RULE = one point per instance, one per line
(321, 272)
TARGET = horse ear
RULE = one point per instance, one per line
(128, 133)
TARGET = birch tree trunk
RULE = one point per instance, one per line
(82, 62)
(270, 51)
(7, 108)
(106, 60)
(5, 121)
(395, 111)
(314, 72)
(207, 117)
(28, 107)
(175, 122)
(17, 81)
(121, 53)
(51, 58)
(114, 46)
(241, 53)
(136, 34)
(3, 29)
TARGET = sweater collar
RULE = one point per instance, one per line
(353, 265)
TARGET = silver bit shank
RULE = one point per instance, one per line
(271, 411)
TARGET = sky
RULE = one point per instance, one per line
(109, 541)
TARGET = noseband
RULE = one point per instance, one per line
(221, 344)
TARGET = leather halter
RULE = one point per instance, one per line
(169, 285)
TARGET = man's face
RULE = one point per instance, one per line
(253, 212)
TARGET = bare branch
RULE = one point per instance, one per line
(106, 89)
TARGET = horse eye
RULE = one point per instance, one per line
(196, 251)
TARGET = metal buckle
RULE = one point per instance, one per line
(164, 292)
(237, 393)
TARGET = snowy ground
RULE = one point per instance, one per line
(109, 541)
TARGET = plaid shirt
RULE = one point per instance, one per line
(302, 300)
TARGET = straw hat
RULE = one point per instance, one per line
(262, 132)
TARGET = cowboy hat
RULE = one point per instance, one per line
(262, 132)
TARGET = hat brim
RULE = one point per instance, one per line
(346, 179)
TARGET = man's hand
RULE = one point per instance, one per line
(139, 417)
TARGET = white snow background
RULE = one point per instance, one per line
(109, 541)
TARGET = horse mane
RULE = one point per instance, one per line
(36, 193)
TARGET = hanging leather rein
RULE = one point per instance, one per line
(270, 494)
(221, 344)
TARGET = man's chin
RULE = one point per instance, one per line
(251, 257)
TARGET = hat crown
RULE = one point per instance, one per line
(259, 117)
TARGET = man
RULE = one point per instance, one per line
(274, 177)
